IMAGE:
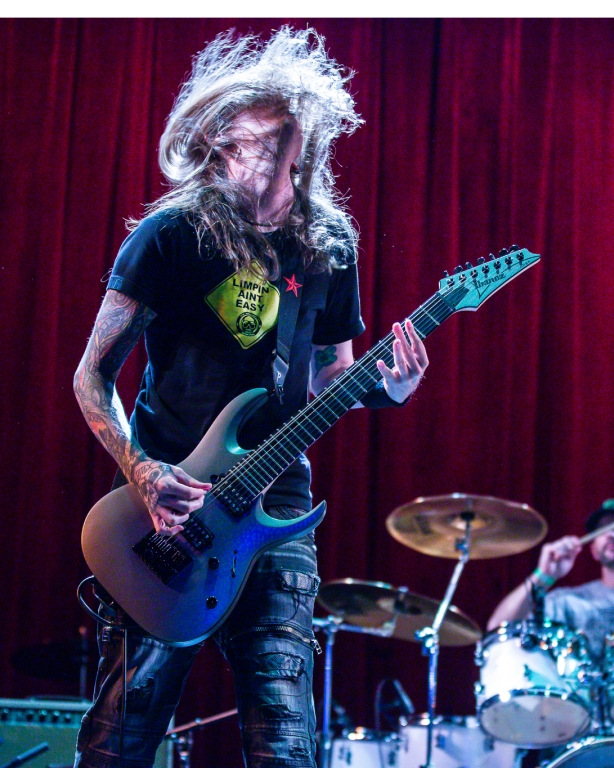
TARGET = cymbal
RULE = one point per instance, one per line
(433, 524)
(373, 603)
(55, 660)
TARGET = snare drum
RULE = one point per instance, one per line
(458, 742)
(594, 752)
(531, 691)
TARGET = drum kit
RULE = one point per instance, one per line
(539, 686)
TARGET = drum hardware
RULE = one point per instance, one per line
(393, 611)
(183, 735)
(430, 635)
(464, 527)
(375, 608)
(330, 626)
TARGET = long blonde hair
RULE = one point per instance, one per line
(290, 74)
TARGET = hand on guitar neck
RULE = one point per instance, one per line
(410, 362)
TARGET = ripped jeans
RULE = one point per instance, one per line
(267, 640)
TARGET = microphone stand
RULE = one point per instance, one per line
(429, 636)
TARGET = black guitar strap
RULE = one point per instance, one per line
(289, 305)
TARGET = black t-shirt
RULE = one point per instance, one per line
(214, 335)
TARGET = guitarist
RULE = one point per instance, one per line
(251, 214)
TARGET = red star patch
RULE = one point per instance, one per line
(292, 285)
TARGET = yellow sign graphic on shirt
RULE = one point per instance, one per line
(247, 304)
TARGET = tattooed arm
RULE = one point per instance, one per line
(169, 493)
(400, 381)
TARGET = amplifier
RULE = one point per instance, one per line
(25, 723)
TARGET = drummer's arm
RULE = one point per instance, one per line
(555, 561)
(516, 606)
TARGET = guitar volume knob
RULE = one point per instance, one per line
(211, 602)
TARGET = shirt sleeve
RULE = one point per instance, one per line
(142, 269)
(341, 319)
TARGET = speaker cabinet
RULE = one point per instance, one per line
(25, 723)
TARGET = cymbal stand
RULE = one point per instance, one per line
(330, 626)
(429, 636)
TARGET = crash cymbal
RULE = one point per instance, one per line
(433, 524)
(372, 603)
(56, 660)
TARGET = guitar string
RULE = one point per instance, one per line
(268, 451)
(435, 310)
(439, 311)
(261, 467)
(276, 454)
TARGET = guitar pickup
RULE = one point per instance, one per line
(162, 555)
(196, 533)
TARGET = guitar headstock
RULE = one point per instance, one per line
(468, 288)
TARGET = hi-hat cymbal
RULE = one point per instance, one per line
(372, 603)
(434, 524)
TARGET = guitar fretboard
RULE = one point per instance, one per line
(247, 479)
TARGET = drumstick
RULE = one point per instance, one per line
(590, 536)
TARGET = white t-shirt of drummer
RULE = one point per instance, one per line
(588, 608)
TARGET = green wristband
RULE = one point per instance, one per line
(543, 578)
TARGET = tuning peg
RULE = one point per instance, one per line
(468, 265)
(481, 260)
(458, 269)
(491, 257)
(503, 252)
(514, 248)
(446, 273)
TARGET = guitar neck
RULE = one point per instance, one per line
(255, 472)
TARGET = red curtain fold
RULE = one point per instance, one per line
(478, 134)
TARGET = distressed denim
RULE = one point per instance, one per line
(267, 640)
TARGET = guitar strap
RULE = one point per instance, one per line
(289, 305)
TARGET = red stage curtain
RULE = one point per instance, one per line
(478, 134)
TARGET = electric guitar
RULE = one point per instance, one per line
(180, 589)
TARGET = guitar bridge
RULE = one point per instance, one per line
(196, 533)
(163, 556)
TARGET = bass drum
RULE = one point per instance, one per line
(593, 752)
(458, 742)
(532, 690)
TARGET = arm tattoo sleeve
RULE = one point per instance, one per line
(323, 358)
(119, 324)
